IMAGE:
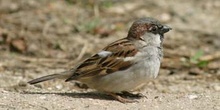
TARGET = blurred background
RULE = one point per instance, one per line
(41, 37)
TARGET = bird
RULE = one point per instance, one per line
(124, 66)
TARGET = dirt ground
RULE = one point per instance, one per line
(41, 37)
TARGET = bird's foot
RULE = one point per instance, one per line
(138, 95)
(121, 99)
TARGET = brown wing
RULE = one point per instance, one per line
(99, 65)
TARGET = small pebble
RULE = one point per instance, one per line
(43, 97)
(59, 86)
(156, 97)
(193, 97)
(165, 17)
(216, 87)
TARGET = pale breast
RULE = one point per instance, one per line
(146, 68)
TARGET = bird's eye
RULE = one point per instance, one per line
(153, 28)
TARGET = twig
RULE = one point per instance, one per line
(81, 54)
(96, 9)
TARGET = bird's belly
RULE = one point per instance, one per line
(127, 80)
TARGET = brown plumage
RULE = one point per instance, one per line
(124, 65)
(98, 66)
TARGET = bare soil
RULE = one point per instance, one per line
(41, 37)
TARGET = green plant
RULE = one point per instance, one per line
(195, 59)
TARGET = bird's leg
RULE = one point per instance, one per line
(121, 99)
(138, 95)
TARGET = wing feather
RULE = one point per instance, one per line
(98, 65)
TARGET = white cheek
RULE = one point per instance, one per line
(151, 38)
(157, 40)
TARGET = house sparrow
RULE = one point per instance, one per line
(124, 65)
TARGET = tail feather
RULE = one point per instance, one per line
(44, 78)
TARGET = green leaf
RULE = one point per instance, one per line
(202, 64)
(195, 58)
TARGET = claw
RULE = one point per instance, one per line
(138, 95)
(121, 99)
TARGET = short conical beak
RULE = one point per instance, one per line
(165, 29)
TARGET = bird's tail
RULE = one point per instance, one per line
(62, 75)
